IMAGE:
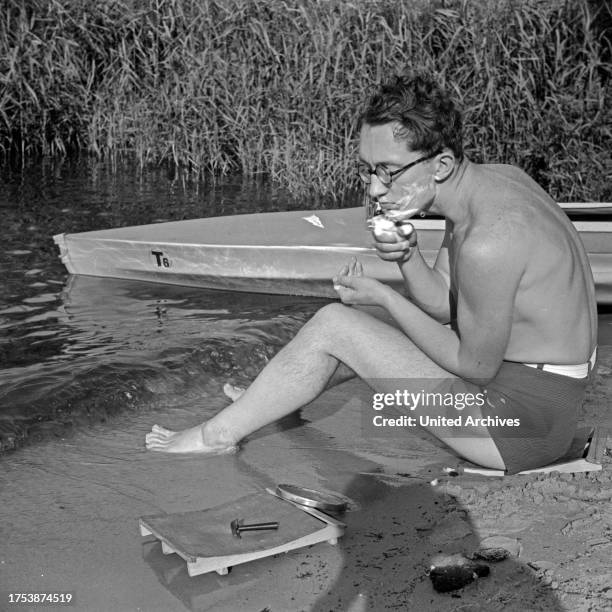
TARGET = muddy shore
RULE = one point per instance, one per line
(69, 512)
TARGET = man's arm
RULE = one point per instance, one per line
(489, 270)
(428, 288)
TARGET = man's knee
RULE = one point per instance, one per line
(331, 315)
(327, 322)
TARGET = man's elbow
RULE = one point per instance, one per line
(480, 373)
(440, 312)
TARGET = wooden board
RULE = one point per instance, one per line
(204, 537)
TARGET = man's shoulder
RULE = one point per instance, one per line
(500, 236)
(486, 245)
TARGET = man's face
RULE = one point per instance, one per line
(378, 145)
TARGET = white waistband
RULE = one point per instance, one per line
(580, 370)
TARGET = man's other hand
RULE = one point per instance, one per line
(355, 288)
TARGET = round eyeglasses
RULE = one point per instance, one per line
(383, 174)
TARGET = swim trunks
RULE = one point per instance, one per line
(545, 403)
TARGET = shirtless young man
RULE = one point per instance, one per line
(512, 279)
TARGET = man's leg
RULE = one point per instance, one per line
(335, 335)
(342, 372)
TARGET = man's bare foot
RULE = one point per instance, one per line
(232, 391)
(197, 439)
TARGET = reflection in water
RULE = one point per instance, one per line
(120, 346)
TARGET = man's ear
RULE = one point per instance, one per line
(445, 164)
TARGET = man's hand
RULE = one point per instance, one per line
(396, 246)
(355, 288)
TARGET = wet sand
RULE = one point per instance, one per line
(69, 512)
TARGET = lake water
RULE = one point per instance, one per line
(75, 352)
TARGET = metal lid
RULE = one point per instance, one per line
(327, 502)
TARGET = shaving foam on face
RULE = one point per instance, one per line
(413, 199)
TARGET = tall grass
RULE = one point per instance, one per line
(272, 87)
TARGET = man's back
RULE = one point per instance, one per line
(554, 319)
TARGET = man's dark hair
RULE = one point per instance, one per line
(427, 116)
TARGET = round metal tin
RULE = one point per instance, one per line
(327, 502)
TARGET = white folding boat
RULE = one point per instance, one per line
(294, 253)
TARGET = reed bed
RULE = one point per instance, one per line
(271, 88)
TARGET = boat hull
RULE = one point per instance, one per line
(289, 253)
